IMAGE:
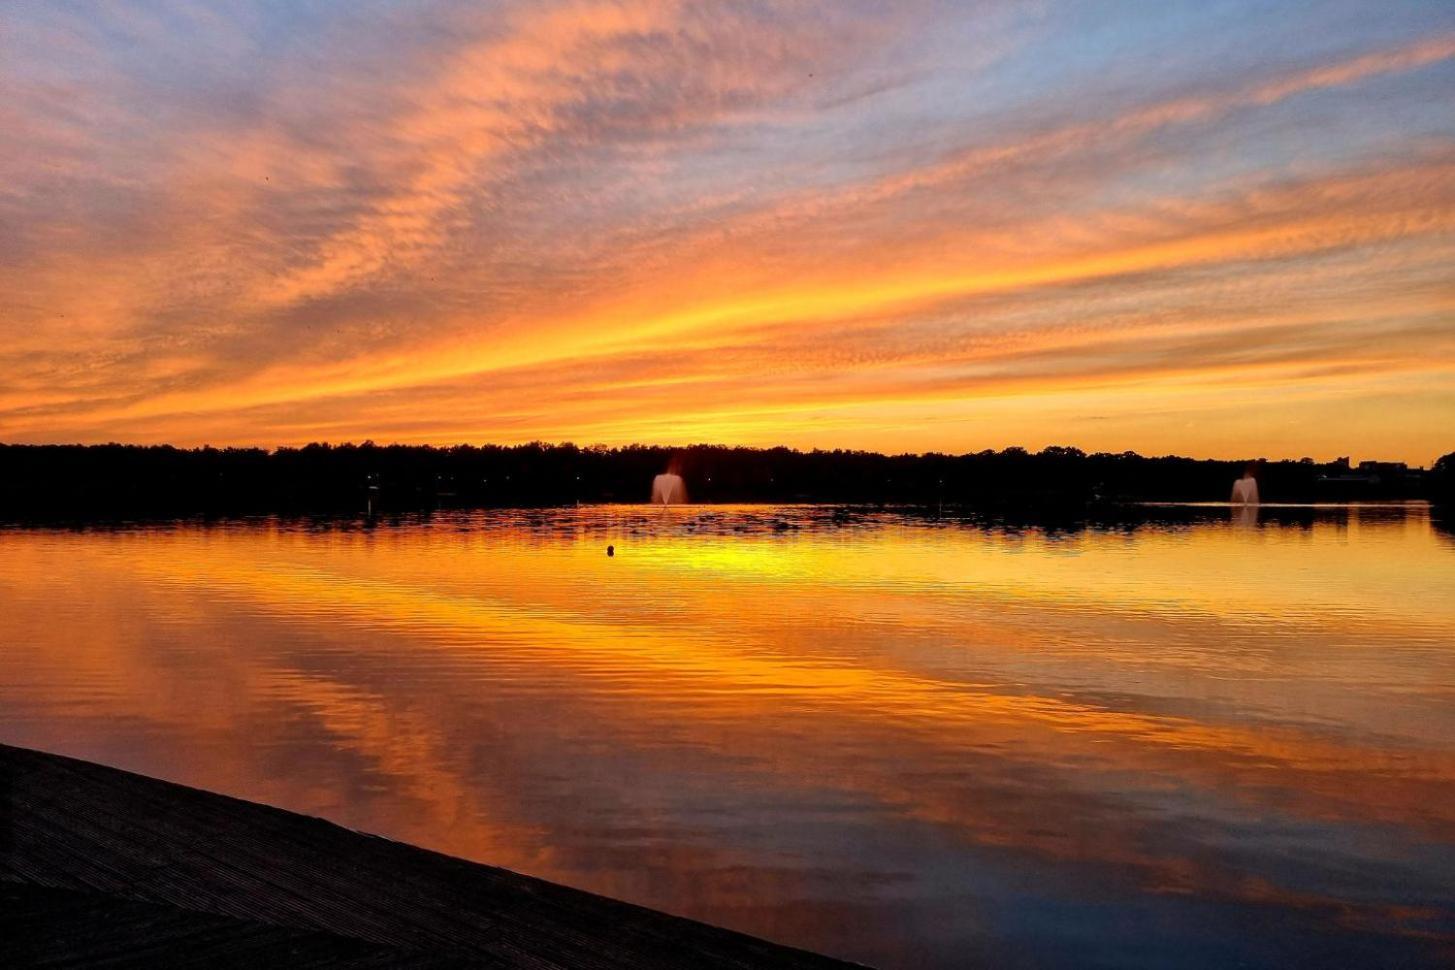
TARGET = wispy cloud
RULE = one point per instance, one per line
(749, 221)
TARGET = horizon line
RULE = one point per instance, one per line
(601, 446)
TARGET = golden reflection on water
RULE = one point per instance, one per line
(908, 741)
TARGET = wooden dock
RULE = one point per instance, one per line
(104, 867)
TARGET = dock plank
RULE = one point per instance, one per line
(136, 866)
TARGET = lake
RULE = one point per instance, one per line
(1189, 737)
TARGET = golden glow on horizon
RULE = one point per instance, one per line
(560, 224)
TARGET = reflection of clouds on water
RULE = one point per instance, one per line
(843, 728)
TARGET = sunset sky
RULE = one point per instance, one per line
(1210, 228)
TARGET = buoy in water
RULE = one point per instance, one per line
(611, 550)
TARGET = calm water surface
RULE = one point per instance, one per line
(908, 741)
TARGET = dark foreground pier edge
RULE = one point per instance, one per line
(99, 865)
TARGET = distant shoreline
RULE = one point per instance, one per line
(87, 481)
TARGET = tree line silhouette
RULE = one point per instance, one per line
(104, 480)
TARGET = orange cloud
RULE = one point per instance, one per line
(436, 207)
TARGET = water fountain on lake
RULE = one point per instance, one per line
(669, 489)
